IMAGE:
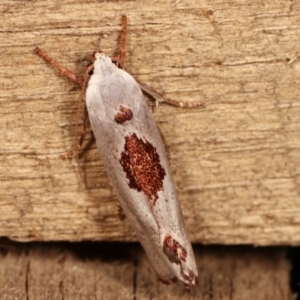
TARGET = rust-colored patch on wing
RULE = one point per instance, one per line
(124, 114)
(141, 164)
(173, 250)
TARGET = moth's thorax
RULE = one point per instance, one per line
(103, 66)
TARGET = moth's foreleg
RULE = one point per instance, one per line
(64, 71)
(80, 137)
(80, 134)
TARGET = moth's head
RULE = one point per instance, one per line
(96, 55)
(102, 63)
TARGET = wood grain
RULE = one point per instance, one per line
(45, 271)
(235, 163)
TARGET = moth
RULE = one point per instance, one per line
(135, 159)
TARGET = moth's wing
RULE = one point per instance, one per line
(134, 156)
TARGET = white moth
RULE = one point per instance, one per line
(134, 156)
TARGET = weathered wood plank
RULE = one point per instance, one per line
(235, 163)
(86, 271)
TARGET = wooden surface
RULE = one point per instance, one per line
(121, 271)
(235, 163)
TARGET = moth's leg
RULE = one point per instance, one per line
(120, 212)
(120, 59)
(64, 71)
(161, 98)
(77, 146)
(79, 133)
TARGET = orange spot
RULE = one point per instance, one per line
(173, 250)
(141, 164)
(123, 115)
